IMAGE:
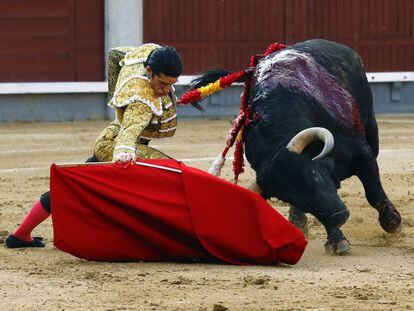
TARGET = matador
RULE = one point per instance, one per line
(140, 89)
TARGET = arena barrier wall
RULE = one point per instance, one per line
(73, 101)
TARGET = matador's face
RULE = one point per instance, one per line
(160, 83)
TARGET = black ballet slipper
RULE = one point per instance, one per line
(14, 242)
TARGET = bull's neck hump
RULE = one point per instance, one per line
(299, 70)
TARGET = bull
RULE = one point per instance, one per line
(316, 127)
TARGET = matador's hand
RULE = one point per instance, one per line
(125, 157)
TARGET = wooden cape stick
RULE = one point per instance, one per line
(136, 163)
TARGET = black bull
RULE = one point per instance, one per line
(321, 86)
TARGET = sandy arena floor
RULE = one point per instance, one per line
(377, 274)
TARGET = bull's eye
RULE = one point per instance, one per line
(314, 174)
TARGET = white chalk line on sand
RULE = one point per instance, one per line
(396, 150)
(186, 160)
(34, 150)
(26, 169)
(22, 151)
(389, 121)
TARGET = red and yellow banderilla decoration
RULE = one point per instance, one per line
(211, 88)
(235, 135)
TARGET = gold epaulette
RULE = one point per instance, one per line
(136, 88)
(139, 55)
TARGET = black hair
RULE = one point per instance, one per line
(166, 60)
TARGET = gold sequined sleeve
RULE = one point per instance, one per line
(136, 118)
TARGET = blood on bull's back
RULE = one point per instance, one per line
(321, 78)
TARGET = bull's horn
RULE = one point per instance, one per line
(305, 137)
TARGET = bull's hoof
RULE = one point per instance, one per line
(337, 248)
(390, 220)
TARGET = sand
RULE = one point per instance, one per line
(377, 274)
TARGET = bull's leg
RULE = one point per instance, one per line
(371, 134)
(299, 219)
(368, 173)
(336, 243)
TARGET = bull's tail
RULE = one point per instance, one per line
(209, 83)
(208, 77)
(205, 79)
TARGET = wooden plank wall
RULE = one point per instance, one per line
(382, 31)
(51, 40)
(215, 32)
(224, 33)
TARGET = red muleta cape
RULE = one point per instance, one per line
(112, 212)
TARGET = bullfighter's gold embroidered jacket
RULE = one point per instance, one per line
(140, 114)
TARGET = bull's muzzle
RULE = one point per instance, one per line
(338, 219)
